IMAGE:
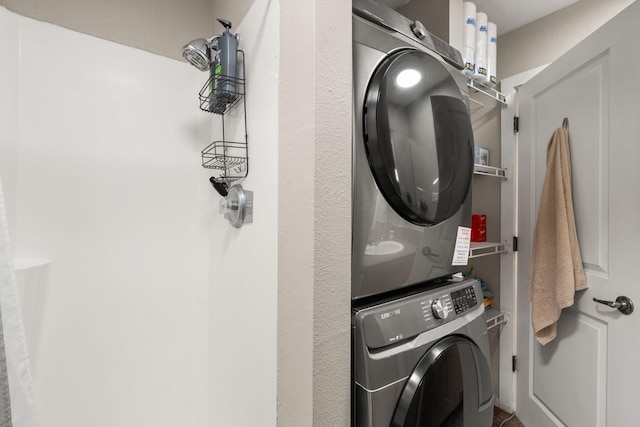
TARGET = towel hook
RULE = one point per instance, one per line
(565, 123)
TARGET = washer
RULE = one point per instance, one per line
(423, 360)
(412, 150)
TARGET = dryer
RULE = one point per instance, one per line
(423, 360)
(412, 150)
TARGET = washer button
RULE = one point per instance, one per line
(419, 30)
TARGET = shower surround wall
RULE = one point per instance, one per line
(156, 311)
(99, 160)
(125, 319)
(243, 293)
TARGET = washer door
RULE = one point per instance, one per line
(418, 137)
(450, 386)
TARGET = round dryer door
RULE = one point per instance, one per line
(450, 386)
(418, 137)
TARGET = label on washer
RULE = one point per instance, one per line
(463, 243)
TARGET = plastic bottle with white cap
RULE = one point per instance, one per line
(481, 46)
(492, 52)
(469, 37)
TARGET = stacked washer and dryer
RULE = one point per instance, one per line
(420, 349)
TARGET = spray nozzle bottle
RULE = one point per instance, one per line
(226, 24)
(226, 65)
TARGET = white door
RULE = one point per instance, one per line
(589, 375)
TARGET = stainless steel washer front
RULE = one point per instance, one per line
(423, 360)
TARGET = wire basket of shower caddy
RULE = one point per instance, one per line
(228, 157)
(221, 92)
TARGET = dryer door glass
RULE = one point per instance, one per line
(419, 139)
(450, 386)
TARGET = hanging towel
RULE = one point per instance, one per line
(556, 264)
(17, 407)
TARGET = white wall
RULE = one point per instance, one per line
(244, 262)
(8, 113)
(107, 186)
(158, 27)
(544, 40)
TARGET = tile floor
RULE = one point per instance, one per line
(499, 416)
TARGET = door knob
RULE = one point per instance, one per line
(623, 304)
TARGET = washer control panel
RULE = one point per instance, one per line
(402, 319)
(463, 299)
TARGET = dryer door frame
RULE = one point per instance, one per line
(417, 405)
(418, 136)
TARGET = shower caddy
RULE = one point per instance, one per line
(230, 158)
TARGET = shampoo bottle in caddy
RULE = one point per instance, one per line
(212, 97)
(226, 64)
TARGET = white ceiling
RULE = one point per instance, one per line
(511, 14)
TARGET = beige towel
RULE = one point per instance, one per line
(556, 265)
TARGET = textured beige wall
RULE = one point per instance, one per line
(544, 40)
(314, 222)
(233, 10)
(161, 27)
(434, 14)
(296, 226)
(332, 187)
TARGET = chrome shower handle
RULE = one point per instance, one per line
(622, 303)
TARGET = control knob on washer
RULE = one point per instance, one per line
(419, 30)
(439, 309)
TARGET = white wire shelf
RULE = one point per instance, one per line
(482, 87)
(479, 249)
(490, 171)
(496, 318)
